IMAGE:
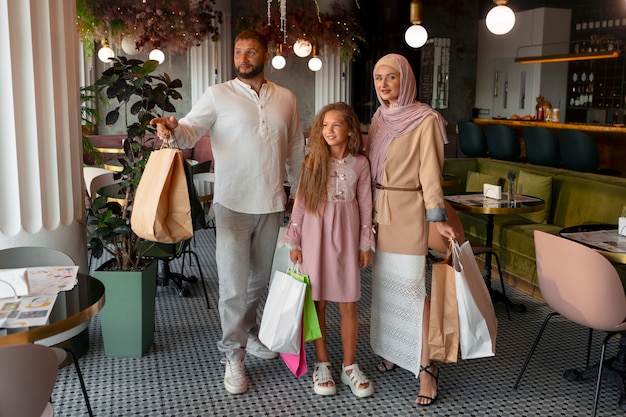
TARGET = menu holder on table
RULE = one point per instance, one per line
(13, 282)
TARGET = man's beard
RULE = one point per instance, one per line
(256, 70)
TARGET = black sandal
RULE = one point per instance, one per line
(386, 366)
(436, 377)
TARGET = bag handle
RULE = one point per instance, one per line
(294, 267)
(169, 142)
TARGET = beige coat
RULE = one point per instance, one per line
(413, 160)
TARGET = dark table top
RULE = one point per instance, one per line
(477, 203)
(600, 237)
(71, 309)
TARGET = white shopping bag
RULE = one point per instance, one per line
(478, 325)
(281, 260)
(281, 324)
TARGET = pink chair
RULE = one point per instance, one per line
(27, 380)
(581, 285)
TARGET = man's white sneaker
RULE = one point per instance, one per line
(235, 380)
(256, 348)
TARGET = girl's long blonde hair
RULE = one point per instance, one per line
(314, 177)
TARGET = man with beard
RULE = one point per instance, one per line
(256, 138)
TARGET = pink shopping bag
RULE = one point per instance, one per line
(296, 362)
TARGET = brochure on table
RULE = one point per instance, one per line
(43, 283)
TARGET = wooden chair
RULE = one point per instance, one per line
(581, 285)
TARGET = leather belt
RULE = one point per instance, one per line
(384, 187)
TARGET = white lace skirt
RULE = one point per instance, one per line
(398, 292)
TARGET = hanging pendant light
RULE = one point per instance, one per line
(129, 45)
(105, 53)
(302, 48)
(279, 61)
(500, 19)
(315, 63)
(157, 55)
(416, 35)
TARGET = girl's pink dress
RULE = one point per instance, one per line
(331, 239)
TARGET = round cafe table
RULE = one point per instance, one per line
(70, 315)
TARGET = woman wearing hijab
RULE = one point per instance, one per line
(406, 140)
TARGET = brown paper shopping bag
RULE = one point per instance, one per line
(443, 334)
(161, 211)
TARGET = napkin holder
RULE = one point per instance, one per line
(492, 191)
(13, 283)
(621, 226)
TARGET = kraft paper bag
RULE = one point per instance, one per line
(443, 334)
(161, 211)
(478, 325)
(281, 323)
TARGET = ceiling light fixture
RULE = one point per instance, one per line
(157, 55)
(560, 57)
(500, 19)
(302, 48)
(279, 61)
(416, 35)
(105, 53)
(315, 63)
(567, 57)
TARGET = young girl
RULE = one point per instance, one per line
(330, 235)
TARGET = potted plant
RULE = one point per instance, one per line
(128, 316)
(90, 116)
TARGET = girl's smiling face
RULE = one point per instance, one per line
(335, 131)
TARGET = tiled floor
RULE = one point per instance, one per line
(181, 374)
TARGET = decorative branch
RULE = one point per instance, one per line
(169, 24)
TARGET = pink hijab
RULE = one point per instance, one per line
(403, 116)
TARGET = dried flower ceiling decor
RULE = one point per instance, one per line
(170, 24)
(338, 30)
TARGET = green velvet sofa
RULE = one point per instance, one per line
(572, 198)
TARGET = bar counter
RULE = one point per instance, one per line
(611, 140)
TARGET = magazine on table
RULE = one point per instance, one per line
(26, 311)
(27, 295)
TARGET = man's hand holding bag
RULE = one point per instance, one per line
(161, 211)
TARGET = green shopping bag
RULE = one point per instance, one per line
(311, 326)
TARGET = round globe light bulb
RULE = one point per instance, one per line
(302, 48)
(500, 20)
(315, 64)
(129, 45)
(157, 55)
(105, 53)
(416, 36)
(279, 62)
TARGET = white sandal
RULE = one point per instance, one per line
(322, 375)
(355, 380)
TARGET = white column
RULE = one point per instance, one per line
(41, 199)
(332, 82)
(212, 62)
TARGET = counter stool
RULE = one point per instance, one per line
(578, 151)
(542, 146)
(472, 140)
(503, 143)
